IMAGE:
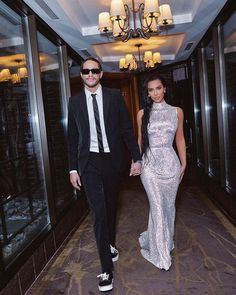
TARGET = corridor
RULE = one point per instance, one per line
(203, 261)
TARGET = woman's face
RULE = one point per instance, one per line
(156, 90)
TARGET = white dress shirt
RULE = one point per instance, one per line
(92, 123)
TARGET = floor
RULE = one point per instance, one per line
(203, 261)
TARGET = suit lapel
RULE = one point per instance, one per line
(83, 107)
(106, 103)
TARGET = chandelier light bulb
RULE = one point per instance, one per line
(22, 72)
(152, 25)
(151, 64)
(104, 22)
(157, 57)
(122, 64)
(15, 78)
(117, 31)
(129, 58)
(5, 75)
(147, 56)
(133, 66)
(117, 9)
(151, 8)
(166, 17)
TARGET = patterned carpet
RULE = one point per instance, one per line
(203, 262)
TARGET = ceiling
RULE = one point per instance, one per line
(76, 22)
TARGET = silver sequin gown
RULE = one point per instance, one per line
(160, 178)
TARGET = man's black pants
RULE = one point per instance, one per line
(101, 183)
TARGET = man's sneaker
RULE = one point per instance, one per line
(105, 282)
(114, 253)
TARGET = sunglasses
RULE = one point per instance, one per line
(93, 71)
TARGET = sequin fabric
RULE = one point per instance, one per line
(160, 178)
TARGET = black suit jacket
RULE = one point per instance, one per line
(117, 126)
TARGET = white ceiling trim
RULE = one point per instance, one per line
(14, 41)
(49, 67)
(183, 18)
(230, 49)
(88, 31)
(118, 57)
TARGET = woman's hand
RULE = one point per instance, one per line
(182, 170)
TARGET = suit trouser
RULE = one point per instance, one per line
(101, 182)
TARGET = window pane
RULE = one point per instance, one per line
(23, 204)
(230, 70)
(55, 121)
(211, 110)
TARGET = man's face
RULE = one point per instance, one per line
(92, 76)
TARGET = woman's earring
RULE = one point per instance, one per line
(164, 90)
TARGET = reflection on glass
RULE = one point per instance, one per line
(74, 73)
(198, 117)
(211, 112)
(230, 103)
(22, 186)
(55, 118)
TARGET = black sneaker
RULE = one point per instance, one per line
(105, 282)
(114, 253)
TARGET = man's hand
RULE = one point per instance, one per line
(135, 169)
(75, 180)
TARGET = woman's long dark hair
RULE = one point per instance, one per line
(147, 109)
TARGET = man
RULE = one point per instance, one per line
(98, 123)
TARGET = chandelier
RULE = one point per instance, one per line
(151, 18)
(149, 60)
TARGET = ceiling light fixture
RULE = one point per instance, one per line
(149, 60)
(118, 21)
(21, 72)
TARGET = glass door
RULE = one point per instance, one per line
(23, 198)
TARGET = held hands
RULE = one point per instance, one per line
(75, 180)
(135, 169)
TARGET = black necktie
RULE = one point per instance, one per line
(98, 126)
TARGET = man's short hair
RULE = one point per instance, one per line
(93, 59)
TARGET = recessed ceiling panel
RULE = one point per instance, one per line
(166, 45)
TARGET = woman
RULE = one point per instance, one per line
(158, 124)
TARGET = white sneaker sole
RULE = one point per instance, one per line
(115, 258)
(105, 288)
